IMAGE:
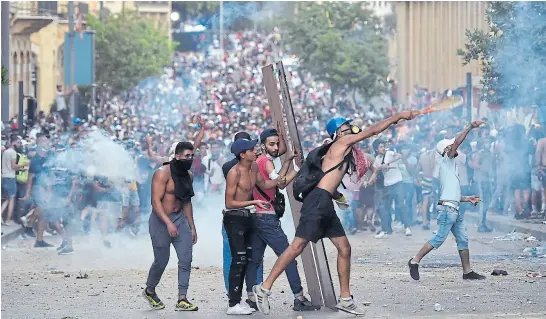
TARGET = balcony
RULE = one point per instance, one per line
(28, 17)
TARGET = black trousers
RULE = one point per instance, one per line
(239, 233)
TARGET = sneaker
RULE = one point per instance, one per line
(350, 307)
(251, 304)
(42, 244)
(153, 300)
(304, 305)
(24, 221)
(408, 232)
(381, 235)
(353, 231)
(473, 276)
(67, 250)
(262, 300)
(62, 246)
(414, 270)
(238, 310)
(185, 305)
(247, 306)
(29, 232)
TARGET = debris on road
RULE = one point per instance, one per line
(535, 251)
(535, 275)
(499, 272)
(438, 307)
(82, 276)
(57, 272)
(367, 303)
(513, 236)
(362, 261)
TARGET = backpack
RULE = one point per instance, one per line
(311, 172)
(278, 202)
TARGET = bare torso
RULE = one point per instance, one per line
(245, 183)
(330, 182)
(169, 201)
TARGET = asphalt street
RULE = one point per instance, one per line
(37, 283)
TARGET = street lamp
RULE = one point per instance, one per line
(175, 16)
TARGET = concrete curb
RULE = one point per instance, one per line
(11, 235)
(507, 224)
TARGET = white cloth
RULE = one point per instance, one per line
(392, 173)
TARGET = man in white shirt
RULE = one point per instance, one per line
(386, 162)
(9, 168)
(450, 218)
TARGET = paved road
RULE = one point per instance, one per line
(34, 282)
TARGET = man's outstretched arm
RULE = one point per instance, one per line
(377, 128)
(460, 138)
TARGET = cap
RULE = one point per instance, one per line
(242, 145)
(335, 123)
(268, 132)
(441, 146)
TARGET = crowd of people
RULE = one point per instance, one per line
(69, 175)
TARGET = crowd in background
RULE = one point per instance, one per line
(227, 92)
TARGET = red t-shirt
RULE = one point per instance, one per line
(262, 161)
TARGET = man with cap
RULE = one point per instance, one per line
(226, 250)
(318, 216)
(449, 216)
(267, 230)
(240, 182)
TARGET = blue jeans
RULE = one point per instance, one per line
(409, 192)
(227, 263)
(268, 232)
(348, 218)
(449, 219)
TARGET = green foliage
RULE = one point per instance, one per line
(5, 76)
(512, 53)
(128, 50)
(340, 43)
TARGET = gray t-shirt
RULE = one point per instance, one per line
(8, 156)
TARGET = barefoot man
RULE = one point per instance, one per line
(171, 222)
(318, 217)
(449, 216)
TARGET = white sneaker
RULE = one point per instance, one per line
(246, 306)
(408, 232)
(238, 309)
(24, 221)
(381, 235)
(262, 299)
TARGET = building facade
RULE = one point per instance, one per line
(428, 35)
(37, 32)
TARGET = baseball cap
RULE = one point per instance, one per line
(242, 145)
(441, 146)
(268, 132)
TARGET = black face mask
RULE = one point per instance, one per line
(183, 164)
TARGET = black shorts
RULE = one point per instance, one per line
(367, 196)
(318, 217)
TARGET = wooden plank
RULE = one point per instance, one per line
(307, 258)
(320, 259)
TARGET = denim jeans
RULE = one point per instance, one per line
(395, 193)
(450, 219)
(383, 210)
(348, 219)
(227, 263)
(268, 232)
(485, 190)
(409, 193)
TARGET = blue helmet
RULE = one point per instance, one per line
(335, 123)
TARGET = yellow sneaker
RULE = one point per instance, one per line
(185, 305)
(153, 300)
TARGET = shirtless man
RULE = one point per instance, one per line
(427, 161)
(318, 217)
(171, 222)
(240, 182)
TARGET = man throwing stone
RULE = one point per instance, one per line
(318, 217)
(171, 222)
(449, 216)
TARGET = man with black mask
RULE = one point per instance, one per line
(171, 222)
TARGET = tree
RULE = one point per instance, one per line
(195, 9)
(128, 49)
(512, 53)
(5, 77)
(341, 43)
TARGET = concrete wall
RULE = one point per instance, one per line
(428, 36)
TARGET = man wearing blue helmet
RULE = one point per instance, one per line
(318, 216)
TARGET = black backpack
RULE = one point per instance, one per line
(311, 172)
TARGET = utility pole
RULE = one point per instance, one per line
(5, 61)
(222, 28)
(71, 100)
